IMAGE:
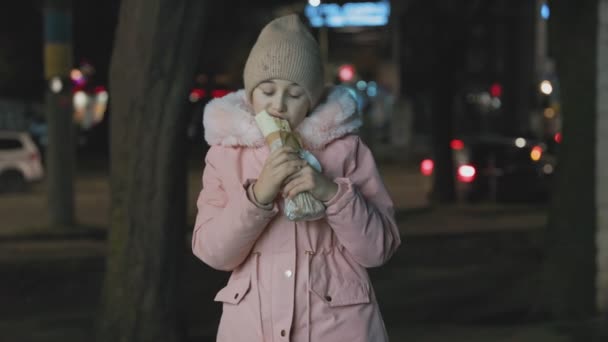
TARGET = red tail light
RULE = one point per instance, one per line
(558, 137)
(457, 144)
(536, 153)
(219, 93)
(426, 167)
(198, 92)
(466, 173)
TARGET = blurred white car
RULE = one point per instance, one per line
(20, 162)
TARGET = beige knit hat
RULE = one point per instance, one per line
(286, 50)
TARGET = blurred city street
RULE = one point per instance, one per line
(459, 272)
(487, 121)
(407, 187)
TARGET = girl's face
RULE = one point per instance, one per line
(282, 99)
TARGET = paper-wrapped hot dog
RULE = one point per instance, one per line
(277, 133)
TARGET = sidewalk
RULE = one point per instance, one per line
(455, 261)
(26, 214)
(79, 330)
(500, 333)
(54, 296)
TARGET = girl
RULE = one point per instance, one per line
(292, 281)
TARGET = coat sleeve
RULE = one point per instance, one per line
(227, 223)
(361, 213)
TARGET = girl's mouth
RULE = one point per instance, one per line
(276, 116)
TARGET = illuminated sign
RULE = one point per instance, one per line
(349, 15)
(545, 12)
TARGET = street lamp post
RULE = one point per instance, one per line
(324, 47)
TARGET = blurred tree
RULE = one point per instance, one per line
(21, 45)
(449, 41)
(157, 46)
(569, 286)
(601, 173)
(7, 69)
(60, 152)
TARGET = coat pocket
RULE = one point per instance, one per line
(338, 292)
(235, 291)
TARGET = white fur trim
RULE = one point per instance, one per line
(229, 121)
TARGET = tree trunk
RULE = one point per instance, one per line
(520, 62)
(570, 265)
(155, 55)
(450, 37)
(601, 176)
(61, 152)
(441, 120)
(447, 58)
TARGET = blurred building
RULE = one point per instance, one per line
(491, 56)
(498, 52)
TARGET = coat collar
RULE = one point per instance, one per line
(229, 121)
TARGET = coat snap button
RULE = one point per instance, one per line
(328, 298)
(288, 273)
(283, 332)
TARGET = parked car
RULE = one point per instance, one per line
(505, 169)
(20, 163)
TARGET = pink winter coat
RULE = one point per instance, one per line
(294, 281)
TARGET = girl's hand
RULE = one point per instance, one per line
(309, 179)
(281, 163)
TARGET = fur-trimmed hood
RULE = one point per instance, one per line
(229, 121)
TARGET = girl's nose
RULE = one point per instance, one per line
(278, 104)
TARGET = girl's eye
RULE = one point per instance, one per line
(267, 93)
(295, 96)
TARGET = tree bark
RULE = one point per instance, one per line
(155, 54)
(570, 265)
(601, 176)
